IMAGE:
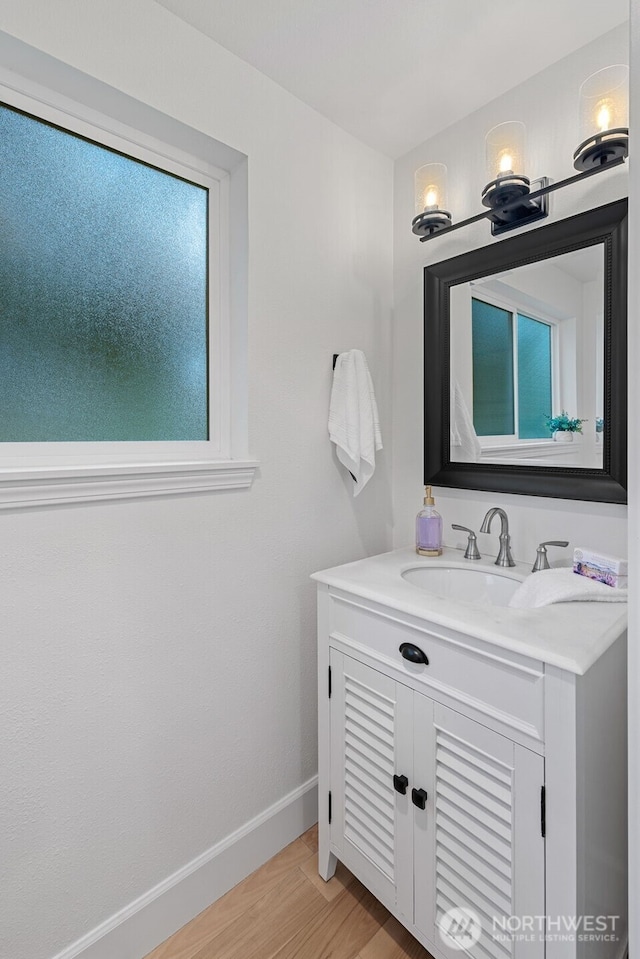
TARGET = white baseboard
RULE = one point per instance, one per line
(142, 925)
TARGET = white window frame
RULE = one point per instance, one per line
(33, 474)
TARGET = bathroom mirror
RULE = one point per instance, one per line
(523, 336)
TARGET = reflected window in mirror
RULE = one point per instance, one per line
(511, 368)
(526, 344)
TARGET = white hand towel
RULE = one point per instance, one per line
(353, 417)
(563, 586)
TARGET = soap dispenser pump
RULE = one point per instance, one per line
(429, 527)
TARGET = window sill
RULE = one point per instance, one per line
(57, 486)
(523, 450)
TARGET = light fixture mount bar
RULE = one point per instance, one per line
(534, 195)
(513, 214)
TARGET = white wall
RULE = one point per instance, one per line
(634, 501)
(548, 105)
(158, 681)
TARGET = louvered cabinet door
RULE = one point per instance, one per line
(485, 851)
(371, 741)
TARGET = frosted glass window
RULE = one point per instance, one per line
(534, 378)
(512, 381)
(103, 293)
(493, 399)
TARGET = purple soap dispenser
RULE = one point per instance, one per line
(429, 527)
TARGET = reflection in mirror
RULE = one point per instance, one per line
(527, 347)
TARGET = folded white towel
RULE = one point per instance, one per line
(353, 417)
(465, 445)
(563, 586)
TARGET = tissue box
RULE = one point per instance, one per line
(609, 570)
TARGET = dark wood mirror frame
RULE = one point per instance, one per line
(606, 225)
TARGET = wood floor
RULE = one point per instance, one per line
(285, 910)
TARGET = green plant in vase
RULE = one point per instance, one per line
(563, 427)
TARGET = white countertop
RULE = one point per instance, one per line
(571, 636)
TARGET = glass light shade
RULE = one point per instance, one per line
(505, 146)
(430, 188)
(604, 118)
(604, 101)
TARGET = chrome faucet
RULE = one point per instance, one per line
(504, 556)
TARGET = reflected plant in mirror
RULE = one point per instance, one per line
(564, 425)
(531, 362)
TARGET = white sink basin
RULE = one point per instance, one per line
(471, 585)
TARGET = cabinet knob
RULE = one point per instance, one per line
(419, 798)
(413, 653)
(400, 784)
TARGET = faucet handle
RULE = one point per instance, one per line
(472, 551)
(542, 561)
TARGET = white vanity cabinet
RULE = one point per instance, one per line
(460, 820)
(472, 780)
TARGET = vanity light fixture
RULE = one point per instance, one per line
(511, 198)
(430, 198)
